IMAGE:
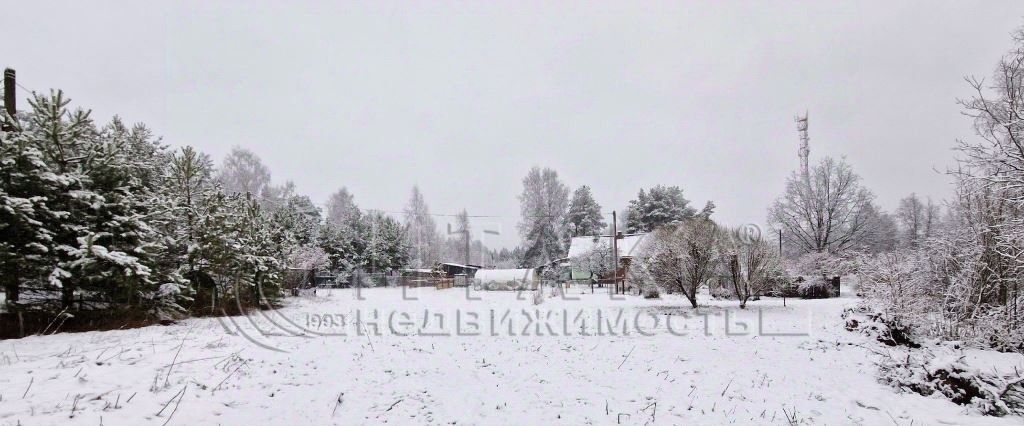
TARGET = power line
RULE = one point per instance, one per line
(23, 87)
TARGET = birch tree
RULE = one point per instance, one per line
(243, 172)
(543, 205)
(422, 235)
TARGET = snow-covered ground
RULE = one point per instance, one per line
(495, 359)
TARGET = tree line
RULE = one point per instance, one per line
(108, 217)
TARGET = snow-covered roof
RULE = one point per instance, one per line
(458, 265)
(504, 275)
(628, 245)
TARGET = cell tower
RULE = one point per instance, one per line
(805, 148)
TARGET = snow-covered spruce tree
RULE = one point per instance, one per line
(827, 211)
(543, 205)
(423, 238)
(584, 216)
(659, 206)
(752, 264)
(681, 258)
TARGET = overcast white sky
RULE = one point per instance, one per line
(463, 98)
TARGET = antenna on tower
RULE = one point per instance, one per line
(805, 148)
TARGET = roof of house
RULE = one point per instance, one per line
(627, 246)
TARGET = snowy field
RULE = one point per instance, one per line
(343, 358)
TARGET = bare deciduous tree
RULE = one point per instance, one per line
(828, 211)
(911, 216)
(752, 263)
(918, 219)
(243, 172)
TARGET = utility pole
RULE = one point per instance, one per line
(6, 126)
(615, 253)
(465, 230)
(9, 98)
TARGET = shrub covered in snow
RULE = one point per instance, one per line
(680, 258)
(879, 327)
(815, 288)
(947, 374)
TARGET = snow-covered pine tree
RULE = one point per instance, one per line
(386, 247)
(189, 188)
(543, 206)
(257, 267)
(104, 250)
(142, 161)
(26, 221)
(584, 216)
(344, 236)
(299, 217)
(338, 246)
(659, 206)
